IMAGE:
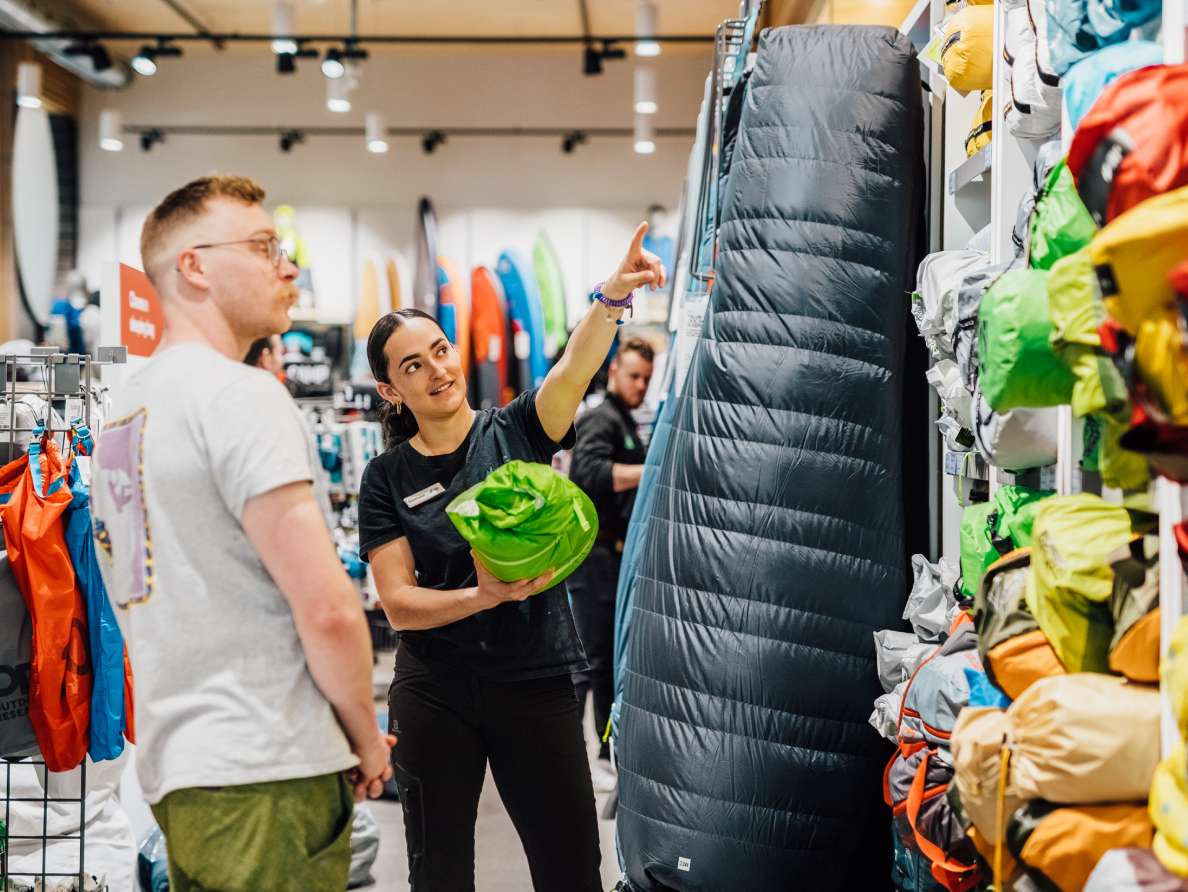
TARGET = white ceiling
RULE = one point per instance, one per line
(487, 17)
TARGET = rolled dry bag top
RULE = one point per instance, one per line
(525, 519)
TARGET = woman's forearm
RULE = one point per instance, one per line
(410, 608)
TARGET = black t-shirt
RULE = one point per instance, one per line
(534, 638)
(606, 436)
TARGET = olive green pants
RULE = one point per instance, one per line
(282, 836)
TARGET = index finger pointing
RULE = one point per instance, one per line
(636, 248)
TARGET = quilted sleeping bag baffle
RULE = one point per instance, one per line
(775, 546)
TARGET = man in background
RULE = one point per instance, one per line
(267, 354)
(255, 720)
(608, 460)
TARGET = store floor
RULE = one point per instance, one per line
(500, 865)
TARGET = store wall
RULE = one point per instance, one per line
(490, 193)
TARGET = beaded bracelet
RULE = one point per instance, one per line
(626, 302)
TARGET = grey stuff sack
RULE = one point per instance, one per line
(16, 649)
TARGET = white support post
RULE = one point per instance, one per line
(1169, 496)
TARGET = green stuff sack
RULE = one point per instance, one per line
(1060, 224)
(994, 528)
(524, 520)
(1018, 368)
(1071, 580)
(1076, 312)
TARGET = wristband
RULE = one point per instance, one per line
(626, 303)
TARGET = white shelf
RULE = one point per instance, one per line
(972, 170)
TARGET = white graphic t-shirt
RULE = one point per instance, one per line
(223, 693)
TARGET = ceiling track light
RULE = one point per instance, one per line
(593, 57)
(145, 61)
(338, 97)
(431, 140)
(290, 138)
(286, 63)
(645, 29)
(29, 85)
(375, 134)
(332, 66)
(284, 20)
(645, 135)
(150, 138)
(572, 140)
(111, 130)
(645, 90)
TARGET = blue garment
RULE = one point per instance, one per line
(73, 316)
(108, 711)
(1086, 80)
(982, 691)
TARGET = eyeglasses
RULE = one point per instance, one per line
(272, 247)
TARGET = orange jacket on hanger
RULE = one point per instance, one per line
(60, 676)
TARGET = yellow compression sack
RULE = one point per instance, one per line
(967, 54)
(1169, 811)
(1071, 580)
(1135, 252)
(1161, 359)
(980, 131)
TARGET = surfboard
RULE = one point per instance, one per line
(488, 330)
(426, 292)
(527, 320)
(453, 291)
(367, 313)
(552, 294)
(395, 297)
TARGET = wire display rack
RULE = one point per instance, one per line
(48, 804)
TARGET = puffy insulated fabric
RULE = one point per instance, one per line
(1133, 870)
(745, 753)
(1132, 143)
(1087, 79)
(1059, 846)
(967, 54)
(1017, 368)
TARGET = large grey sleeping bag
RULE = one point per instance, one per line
(775, 543)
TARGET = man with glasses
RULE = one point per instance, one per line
(254, 712)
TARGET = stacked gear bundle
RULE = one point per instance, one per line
(1076, 29)
(1052, 782)
(1169, 789)
(524, 520)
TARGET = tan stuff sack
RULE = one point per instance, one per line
(1134, 652)
(1084, 738)
(977, 757)
(1059, 845)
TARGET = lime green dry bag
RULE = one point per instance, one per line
(524, 520)
(1060, 224)
(994, 528)
(1018, 368)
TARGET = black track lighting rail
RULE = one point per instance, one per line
(252, 130)
(606, 40)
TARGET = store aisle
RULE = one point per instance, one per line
(500, 865)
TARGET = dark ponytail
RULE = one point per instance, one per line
(398, 426)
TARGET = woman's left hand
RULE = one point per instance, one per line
(639, 268)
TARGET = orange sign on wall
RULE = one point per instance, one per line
(142, 322)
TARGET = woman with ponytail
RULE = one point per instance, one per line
(483, 667)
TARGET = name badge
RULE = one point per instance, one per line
(420, 498)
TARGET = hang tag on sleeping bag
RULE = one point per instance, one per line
(420, 498)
